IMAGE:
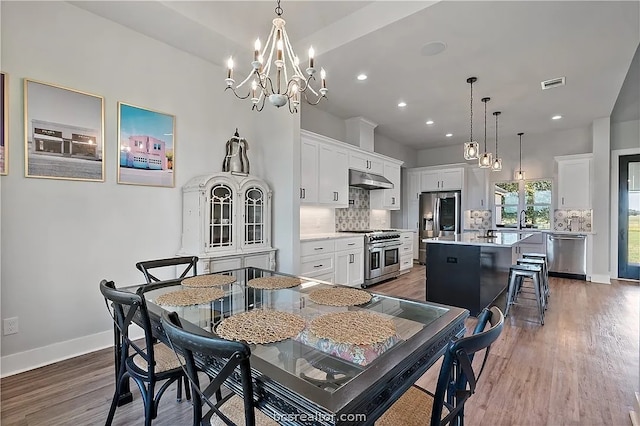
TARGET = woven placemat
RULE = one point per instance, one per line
(261, 326)
(339, 296)
(201, 281)
(190, 296)
(353, 327)
(274, 283)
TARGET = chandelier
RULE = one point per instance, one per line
(485, 159)
(471, 148)
(497, 161)
(283, 83)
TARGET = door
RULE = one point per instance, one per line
(430, 181)
(629, 217)
(426, 218)
(448, 213)
(308, 172)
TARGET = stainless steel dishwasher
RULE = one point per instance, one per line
(567, 255)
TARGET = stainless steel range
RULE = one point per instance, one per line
(381, 256)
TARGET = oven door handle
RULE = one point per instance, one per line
(384, 246)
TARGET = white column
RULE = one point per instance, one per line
(601, 191)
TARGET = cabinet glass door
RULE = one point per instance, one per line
(254, 216)
(629, 217)
(221, 217)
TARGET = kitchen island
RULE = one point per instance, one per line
(469, 270)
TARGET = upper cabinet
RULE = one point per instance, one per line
(441, 179)
(475, 191)
(574, 181)
(365, 163)
(413, 186)
(388, 199)
(324, 173)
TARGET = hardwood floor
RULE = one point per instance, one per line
(580, 368)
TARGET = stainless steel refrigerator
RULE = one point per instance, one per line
(439, 215)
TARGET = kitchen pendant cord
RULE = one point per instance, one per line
(520, 134)
(497, 113)
(485, 100)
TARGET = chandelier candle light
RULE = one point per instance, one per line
(497, 161)
(485, 159)
(519, 175)
(280, 89)
(471, 148)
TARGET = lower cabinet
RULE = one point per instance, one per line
(406, 251)
(339, 260)
(534, 244)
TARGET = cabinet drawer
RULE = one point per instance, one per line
(406, 249)
(349, 243)
(406, 262)
(310, 248)
(311, 266)
(406, 236)
(323, 277)
(218, 265)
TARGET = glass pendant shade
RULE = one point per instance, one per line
(519, 175)
(485, 160)
(471, 150)
(497, 165)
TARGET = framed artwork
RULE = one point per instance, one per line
(63, 132)
(4, 117)
(146, 142)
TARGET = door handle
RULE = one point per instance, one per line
(318, 248)
(318, 266)
(351, 258)
(393, 200)
(300, 193)
(304, 193)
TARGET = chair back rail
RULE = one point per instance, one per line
(190, 263)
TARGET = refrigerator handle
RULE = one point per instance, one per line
(436, 217)
(457, 213)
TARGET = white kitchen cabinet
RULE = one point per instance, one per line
(340, 259)
(226, 222)
(406, 251)
(574, 182)
(349, 261)
(388, 199)
(413, 186)
(441, 179)
(533, 244)
(365, 163)
(308, 172)
(475, 190)
(333, 176)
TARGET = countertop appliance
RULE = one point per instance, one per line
(381, 255)
(567, 255)
(439, 216)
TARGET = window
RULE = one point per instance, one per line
(533, 197)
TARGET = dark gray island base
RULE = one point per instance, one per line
(467, 271)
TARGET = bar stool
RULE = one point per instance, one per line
(541, 256)
(544, 278)
(517, 274)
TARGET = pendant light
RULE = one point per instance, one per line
(519, 175)
(485, 159)
(471, 148)
(497, 161)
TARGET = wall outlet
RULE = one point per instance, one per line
(10, 326)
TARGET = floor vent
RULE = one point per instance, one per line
(554, 82)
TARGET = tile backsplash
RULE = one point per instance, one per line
(572, 220)
(478, 219)
(357, 216)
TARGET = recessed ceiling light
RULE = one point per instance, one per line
(449, 135)
(402, 104)
(430, 123)
(556, 117)
(362, 77)
(433, 48)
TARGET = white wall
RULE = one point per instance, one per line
(59, 238)
(386, 146)
(318, 121)
(538, 151)
(601, 206)
(625, 135)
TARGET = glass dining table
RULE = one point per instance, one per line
(306, 379)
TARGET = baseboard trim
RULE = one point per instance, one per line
(45, 355)
(600, 279)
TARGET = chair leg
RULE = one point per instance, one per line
(187, 388)
(539, 296)
(179, 392)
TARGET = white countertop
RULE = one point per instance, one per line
(506, 239)
(329, 235)
(535, 231)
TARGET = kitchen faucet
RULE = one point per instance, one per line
(522, 218)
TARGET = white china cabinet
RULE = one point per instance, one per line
(226, 222)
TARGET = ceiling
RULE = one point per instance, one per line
(510, 46)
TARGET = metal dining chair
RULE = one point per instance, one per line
(189, 262)
(148, 365)
(456, 382)
(230, 358)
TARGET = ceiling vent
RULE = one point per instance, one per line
(554, 82)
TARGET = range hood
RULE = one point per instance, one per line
(368, 180)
